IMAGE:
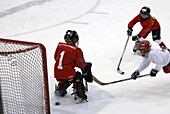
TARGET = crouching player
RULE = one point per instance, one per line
(160, 57)
(67, 57)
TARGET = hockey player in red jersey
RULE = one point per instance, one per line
(160, 57)
(149, 24)
(67, 57)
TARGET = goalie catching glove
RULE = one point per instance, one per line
(86, 72)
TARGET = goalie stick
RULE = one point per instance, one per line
(102, 83)
(118, 67)
(86, 85)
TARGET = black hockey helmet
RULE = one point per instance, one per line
(72, 35)
(145, 10)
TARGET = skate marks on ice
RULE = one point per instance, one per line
(97, 99)
(22, 7)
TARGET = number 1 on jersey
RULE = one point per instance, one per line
(61, 60)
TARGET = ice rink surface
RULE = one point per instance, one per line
(102, 26)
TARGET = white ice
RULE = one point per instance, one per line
(102, 26)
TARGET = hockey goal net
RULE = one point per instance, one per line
(23, 78)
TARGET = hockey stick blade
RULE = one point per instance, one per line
(120, 71)
(99, 82)
(102, 83)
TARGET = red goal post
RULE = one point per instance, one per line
(23, 77)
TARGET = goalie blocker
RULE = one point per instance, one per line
(86, 72)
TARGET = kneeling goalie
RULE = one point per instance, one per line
(67, 57)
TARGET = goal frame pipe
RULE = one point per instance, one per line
(44, 63)
(1, 103)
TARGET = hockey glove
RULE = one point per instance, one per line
(163, 47)
(129, 31)
(137, 37)
(153, 72)
(135, 74)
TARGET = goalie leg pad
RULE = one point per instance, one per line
(79, 86)
(63, 87)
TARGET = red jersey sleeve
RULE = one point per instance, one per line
(134, 21)
(80, 61)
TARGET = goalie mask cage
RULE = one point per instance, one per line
(23, 78)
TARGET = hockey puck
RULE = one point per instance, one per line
(122, 73)
(57, 103)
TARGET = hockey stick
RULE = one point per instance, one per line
(118, 67)
(102, 83)
(86, 85)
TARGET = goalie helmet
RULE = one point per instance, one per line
(145, 10)
(144, 47)
(73, 36)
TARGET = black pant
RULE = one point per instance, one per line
(155, 34)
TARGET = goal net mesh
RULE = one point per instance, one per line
(23, 78)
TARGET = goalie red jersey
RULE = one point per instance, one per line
(67, 57)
